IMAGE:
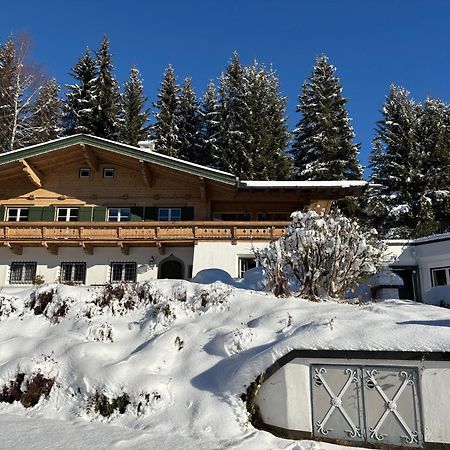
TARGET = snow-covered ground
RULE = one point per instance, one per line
(183, 353)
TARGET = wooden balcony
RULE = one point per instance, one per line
(88, 235)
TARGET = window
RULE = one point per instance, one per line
(123, 271)
(67, 215)
(17, 215)
(108, 172)
(22, 272)
(232, 216)
(169, 214)
(73, 271)
(440, 276)
(85, 172)
(119, 214)
(268, 216)
(246, 263)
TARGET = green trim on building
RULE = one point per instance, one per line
(123, 149)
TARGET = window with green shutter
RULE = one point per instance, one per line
(137, 214)
(48, 213)
(99, 214)
(2, 213)
(35, 214)
(85, 214)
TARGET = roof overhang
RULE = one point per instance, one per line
(119, 148)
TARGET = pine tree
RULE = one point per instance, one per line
(210, 126)
(106, 121)
(44, 123)
(323, 146)
(81, 96)
(190, 125)
(165, 130)
(135, 116)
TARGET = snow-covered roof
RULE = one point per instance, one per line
(302, 184)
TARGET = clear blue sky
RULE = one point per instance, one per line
(373, 43)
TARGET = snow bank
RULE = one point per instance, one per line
(184, 352)
(438, 296)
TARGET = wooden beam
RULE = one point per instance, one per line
(124, 248)
(146, 172)
(88, 249)
(32, 173)
(90, 158)
(161, 248)
(51, 248)
(16, 249)
(203, 191)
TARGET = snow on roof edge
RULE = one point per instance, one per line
(320, 184)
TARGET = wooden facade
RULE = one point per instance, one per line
(213, 205)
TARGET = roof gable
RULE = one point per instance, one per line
(123, 149)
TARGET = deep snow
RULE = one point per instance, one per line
(185, 352)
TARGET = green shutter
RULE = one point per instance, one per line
(2, 213)
(151, 213)
(137, 214)
(187, 213)
(35, 214)
(85, 214)
(48, 213)
(99, 214)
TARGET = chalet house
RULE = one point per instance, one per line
(88, 210)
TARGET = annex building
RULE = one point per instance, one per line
(88, 210)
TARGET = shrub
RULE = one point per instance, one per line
(40, 301)
(325, 254)
(101, 404)
(35, 388)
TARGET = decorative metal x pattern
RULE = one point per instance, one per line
(391, 407)
(336, 402)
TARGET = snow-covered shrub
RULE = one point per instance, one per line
(326, 254)
(101, 404)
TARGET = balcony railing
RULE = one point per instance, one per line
(104, 233)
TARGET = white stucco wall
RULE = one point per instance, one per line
(223, 255)
(97, 265)
(284, 398)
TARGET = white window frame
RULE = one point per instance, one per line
(72, 271)
(447, 275)
(113, 172)
(66, 217)
(119, 214)
(23, 272)
(84, 176)
(19, 209)
(122, 276)
(169, 215)
(241, 259)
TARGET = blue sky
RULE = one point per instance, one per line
(373, 43)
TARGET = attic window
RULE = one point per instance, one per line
(108, 172)
(85, 172)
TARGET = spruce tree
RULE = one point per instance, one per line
(323, 147)
(210, 126)
(252, 129)
(135, 116)
(106, 120)
(165, 130)
(397, 163)
(190, 125)
(81, 96)
(44, 122)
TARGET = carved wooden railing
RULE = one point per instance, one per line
(60, 232)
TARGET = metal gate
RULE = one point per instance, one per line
(375, 404)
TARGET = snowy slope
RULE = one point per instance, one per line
(183, 352)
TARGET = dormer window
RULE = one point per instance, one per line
(67, 215)
(85, 172)
(108, 172)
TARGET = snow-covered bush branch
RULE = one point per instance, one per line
(325, 254)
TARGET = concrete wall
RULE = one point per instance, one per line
(284, 399)
(223, 255)
(97, 265)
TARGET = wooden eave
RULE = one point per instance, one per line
(95, 143)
